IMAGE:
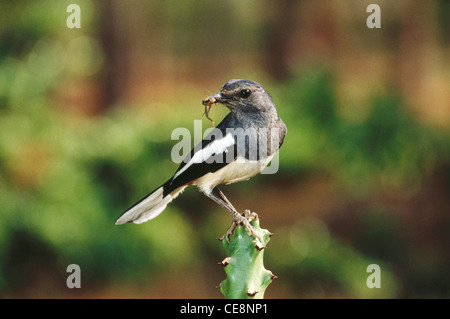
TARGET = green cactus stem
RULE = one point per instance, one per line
(246, 276)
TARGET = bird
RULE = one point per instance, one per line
(237, 149)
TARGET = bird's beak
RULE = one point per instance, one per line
(216, 98)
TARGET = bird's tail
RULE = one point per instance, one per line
(149, 207)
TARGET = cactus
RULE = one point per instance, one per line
(246, 276)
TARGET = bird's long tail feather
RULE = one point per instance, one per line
(149, 207)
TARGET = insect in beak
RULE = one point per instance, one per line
(208, 104)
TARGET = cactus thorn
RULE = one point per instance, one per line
(259, 246)
(220, 238)
(251, 292)
(270, 234)
(272, 276)
(225, 262)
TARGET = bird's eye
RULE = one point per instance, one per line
(245, 93)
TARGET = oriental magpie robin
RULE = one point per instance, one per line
(236, 150)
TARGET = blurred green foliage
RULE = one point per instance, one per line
(387, 148)
(80, 179)
(313, 262)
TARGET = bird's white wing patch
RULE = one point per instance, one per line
(217, 146)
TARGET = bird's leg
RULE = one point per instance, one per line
(215, 196)
(247, 214)
(238, 218)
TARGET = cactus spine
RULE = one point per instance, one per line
(246, 276)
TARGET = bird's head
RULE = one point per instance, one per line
(242, 96)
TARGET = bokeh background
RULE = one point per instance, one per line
(86, 117)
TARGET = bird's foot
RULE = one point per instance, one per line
(243, 219)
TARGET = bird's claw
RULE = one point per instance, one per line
(243, 219)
